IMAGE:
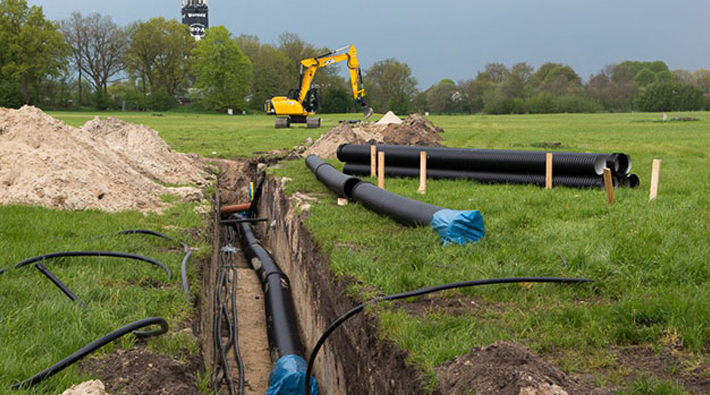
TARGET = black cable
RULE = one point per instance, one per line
(95, 253)
(424, 291)
(93, 346)
(56, 281)
(185, 259)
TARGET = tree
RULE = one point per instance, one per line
(701, 79)
(645, 77)
(98, 47)
(337, 99)
(158, 54)
(390, 84)
(670, 97)
(557, 79)
(444, 97)
(32, 47)
(221, 70)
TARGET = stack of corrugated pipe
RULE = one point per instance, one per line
(572, 169)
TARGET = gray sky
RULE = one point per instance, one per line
(456, 38)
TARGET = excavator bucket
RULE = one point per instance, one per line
(367, 110)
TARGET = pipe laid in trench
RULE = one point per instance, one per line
(289, 373)
(460, 227)
(487, 160)
(357, 169)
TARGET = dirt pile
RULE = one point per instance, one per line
(504, 368)
(107, 165)
(93, 387)
(415, 130)
(140, 371)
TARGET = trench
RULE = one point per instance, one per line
(355, 360)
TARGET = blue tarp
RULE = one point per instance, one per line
(289, 376)
(460, 227)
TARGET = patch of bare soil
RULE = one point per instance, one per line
(108, 165)
(455, 305)
(505, 368)
(415, 130)
(140, 371)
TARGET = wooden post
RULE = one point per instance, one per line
(422, 173)
(609, 186)
(373, 161)
(381, 170)
(655, 174)
(548, 173)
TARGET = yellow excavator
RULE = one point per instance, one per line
(303, 102)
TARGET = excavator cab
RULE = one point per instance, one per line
(312, 101)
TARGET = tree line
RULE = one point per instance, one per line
(88, 61)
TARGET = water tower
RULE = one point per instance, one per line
(194, 15)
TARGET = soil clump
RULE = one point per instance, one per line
(140, 371)
(108, 165)
(504, 368)
(415, 130)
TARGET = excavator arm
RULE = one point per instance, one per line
(311, 65)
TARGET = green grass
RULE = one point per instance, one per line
(228, 136)
(649, 258)
(39, 325)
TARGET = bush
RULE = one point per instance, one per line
(336, 100)
(576, 104)
(10, 94)
(160, 101)
(541, 104)
(399, 105)
(670, 97)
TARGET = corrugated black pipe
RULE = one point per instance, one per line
(486, 160)
(484, 177)
(338, 182)
(405, 211)
(282, 324)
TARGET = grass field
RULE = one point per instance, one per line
(650, 258)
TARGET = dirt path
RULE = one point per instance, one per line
(253, 341)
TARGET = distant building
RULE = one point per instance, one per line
(194, 15)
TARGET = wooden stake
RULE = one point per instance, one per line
(548, 173)
(381, 170)
(422, 173)
(655, 174)
(609, 186)
(373, 161)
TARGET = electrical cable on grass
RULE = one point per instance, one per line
(95, 345)
(423, 291)
(109, 254)
(185, 259)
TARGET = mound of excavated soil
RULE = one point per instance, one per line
(504, 368)
(415, 130)
(108, 164)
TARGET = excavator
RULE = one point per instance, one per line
(303, 102)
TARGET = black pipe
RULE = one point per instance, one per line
(98, 254)
(405, 211)
(423, 291)
(282, 324)
(338, 182)
(95, 345)
(486, 160)
(62, 287)
(483, 177)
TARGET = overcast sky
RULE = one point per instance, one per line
(456, 38)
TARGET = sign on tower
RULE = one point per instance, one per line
(194, 15)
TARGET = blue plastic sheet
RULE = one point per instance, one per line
(459, 227)
(289, 376)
